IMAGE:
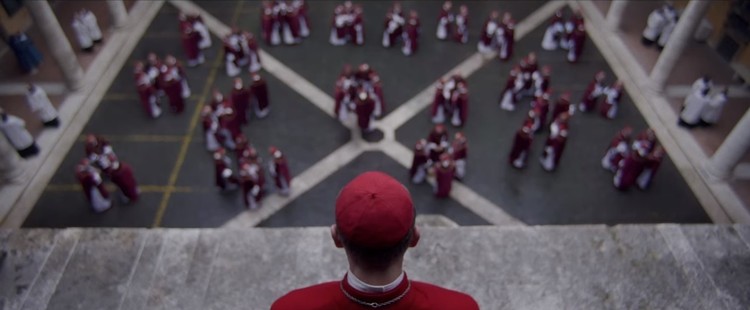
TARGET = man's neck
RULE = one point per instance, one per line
(378, 278)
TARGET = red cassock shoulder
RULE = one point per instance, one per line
(328, 296)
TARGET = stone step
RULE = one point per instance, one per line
(553, 267)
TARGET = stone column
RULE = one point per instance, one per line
(117, 12)
(683, 33)
(722, 163)
(62, 52)
(615, 13)
(10, 165)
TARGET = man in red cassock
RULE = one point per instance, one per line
(555, 144)
(487, 36)
(241, 145)
(419, 165)
(555, 32)
(577, 39)
(445, 20)
(505, 36)
(440, 102)
(513, 86)
(571, 25)
(462, 25)
(364, 107)
(250, 50)
(375, 245)
(339, 23)
(645, 142)
(259, 89)
(223, 114)
(122, 175)
(611, 104)
(541, 80)
(241, 99)
(540, 105)
(93, 187)
(528, 67)
(438, 134)
(234, 56)
(460, 104)
(173, 85)
(562, 105)
(653, 161)
(300, 11)
(286, 27)
(459, 150)
(267, 21)
(629, 170)
(357, 31)
(344, 93)
(251, 190)
(617, 150)
(444, 170)
(96, 147)
(190, 40)
(225, 178)
(146, 91)
(210, 128)
(279, 169)
(592, 93)
(435, 150)
(394, 25)
(368, 79)
(519, 153)
(411, 34)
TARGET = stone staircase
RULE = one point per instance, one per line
(555, 267)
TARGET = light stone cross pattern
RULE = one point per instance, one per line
(339, 158)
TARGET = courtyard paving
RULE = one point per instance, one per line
(176, 173)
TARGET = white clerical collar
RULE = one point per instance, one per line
(361, 286)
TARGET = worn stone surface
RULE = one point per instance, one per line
(572, 267)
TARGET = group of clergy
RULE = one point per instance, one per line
(195, 38)
(441, 159)
(359, 92)
(451, 101)
(633, 162)
(567, 34)
(284, 22)
(498, 35)
(660, 25)
(99, 163)
(86, 29)
(250, 175)
(401, 28)
(157, 79)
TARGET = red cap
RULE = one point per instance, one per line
(374, 211)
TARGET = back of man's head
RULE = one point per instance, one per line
(375, 220)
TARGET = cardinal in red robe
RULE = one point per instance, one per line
(241, 99)
(146, 91)
(592, 93)
(650, 167)
(459, 151)
(555, 145)
(122, 175)
(562, 105)
(225, 178)
(519, 153)
(411, 34)
(617, 150)
(445, 171)
(259, 90)
(364, 107)
(279, 169)
(93, 187)
(418, 170)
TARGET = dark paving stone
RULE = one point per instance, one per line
(320, 62)
(316, 207)
(59, 209)
(205, 208)
(580, 191)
